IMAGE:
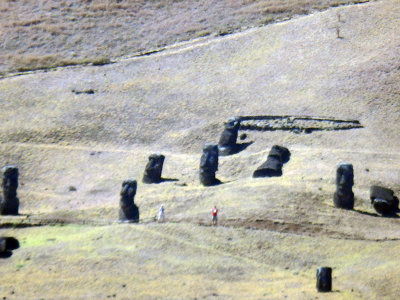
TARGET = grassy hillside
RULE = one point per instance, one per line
(43, 34)
(91, 127)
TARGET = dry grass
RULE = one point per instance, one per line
(274, 232)
(44, 34)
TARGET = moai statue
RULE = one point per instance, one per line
(384, 200)
(152, 172)
(281, 152)
(9, 205)
(273, 165)
(128, 211)
(324, 279)
(209, 165)
(8, 243)
(227, 142)
(344, 196)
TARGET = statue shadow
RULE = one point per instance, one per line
(168, 179)
(394, 215)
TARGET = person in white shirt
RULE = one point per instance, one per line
(161, 214)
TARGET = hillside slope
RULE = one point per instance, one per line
(92, 127)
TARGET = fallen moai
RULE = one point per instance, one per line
(153, 170)
(227, 143)
(209, 165)
(128, 211)
(10, 203)
(324, 279)
(277, 156)
(383, 200)
(344, 196)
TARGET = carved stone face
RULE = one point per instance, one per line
(209, 159)
(10, 177)
(344, 176)
(128, 190)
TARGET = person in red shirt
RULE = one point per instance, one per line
(214, 213)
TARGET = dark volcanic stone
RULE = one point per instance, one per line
(10, 203)
(272, 167)
(344, 196)
(227, 143)
(128, 210)
(383, 200)
(209, 165)
(324, 279)
(153, 170)
(281, 152)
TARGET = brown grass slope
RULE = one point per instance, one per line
(274, 232)
(44, 34)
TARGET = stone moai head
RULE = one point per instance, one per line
(153, 170)
(344, 196)
(209, 165)
(9, 205)
(272, 167)
(227, 142)
(344, 176)
(324, 279)
(128, 210)
(7, 244)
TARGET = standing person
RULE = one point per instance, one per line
(214, 213)
(161, 214)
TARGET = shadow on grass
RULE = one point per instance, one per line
(168, 179)
(394, 216)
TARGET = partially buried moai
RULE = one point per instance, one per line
(272, 167)
(153, 170)
(344, 196)
(227, 143)
(128, 211)
(10, 202)
(324, 279)
(209, 165)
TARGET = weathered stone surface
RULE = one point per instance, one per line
(281, 152)
(272, 167)
(324, 279)
(10, 203)
(227, 143)
(153, 170)
(384, 200)
(209, 165)
(128, 210)
(344, 196)
(7, 244)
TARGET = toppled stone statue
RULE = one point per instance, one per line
(128, 211)
(344, 196)
(153, 170)
(384, 200)
(209, 165)
(227, 143)
(9, 205)
(324, 279)
(275, 160)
